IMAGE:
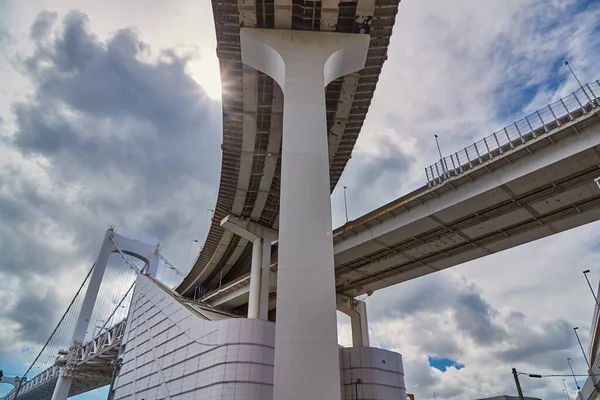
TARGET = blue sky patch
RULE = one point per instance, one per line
(442, 363)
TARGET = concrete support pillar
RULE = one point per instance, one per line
(357, 311)
(360, 326)
(63, 385)
(265, 275)
(261, 238)
(303, 63)
(255, 269)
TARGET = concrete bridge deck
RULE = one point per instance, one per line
(531, 187)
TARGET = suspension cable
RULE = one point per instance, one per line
(170, 266)
(133, 267)
(61, 319)
(118, 306)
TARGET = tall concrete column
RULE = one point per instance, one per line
(261, 238)
(303, 63)
(357, 311)
(265, 275)
(360, 326)
(255, 270)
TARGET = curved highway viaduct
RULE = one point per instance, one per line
(252, 119)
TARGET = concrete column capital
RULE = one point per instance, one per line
(247, 229)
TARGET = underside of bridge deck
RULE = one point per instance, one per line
(252, 118)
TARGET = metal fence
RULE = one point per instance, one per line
(551, 117)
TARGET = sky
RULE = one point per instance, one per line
(110, 114)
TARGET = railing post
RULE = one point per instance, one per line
(530, 127)
(478, 155)
(488, 148)
(554, 115)
(446, 167)
(427, 177)
(580, 104)
(519, 132)
(543, 123)
(432, 175)
(453, 165)
(595, 100)
(468, 158)
(458, 161)
(512, 146)
(498, 143)
(438, 173)
(566, 109)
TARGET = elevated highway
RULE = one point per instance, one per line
(500, 193)
(252, 118)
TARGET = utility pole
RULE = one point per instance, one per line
(516, 376)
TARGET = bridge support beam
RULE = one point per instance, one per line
(303, 63)
(261, 238)
(357, 311)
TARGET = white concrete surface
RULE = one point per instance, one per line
(357, 311)
(303, 63)
(373, 373)
(170, 351)
(261, 238)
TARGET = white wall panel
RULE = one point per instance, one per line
(195, 358)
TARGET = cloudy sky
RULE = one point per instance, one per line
(110, 114)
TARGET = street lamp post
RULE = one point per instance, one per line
(573, 373)
(187, 261)
(565, 392)
(587, 271)
(577, 79)
(346, 203)
(583, 352)
(440, 153)
(516, 376)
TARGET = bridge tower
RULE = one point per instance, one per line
(112, 243)
(303, 63)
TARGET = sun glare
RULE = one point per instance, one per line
(206, 72)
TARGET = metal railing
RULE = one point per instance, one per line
(108, 339)
(549, 118)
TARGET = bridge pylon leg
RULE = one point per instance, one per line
(62, 388)
(63, 384)
(112, 243)
(303, 63)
